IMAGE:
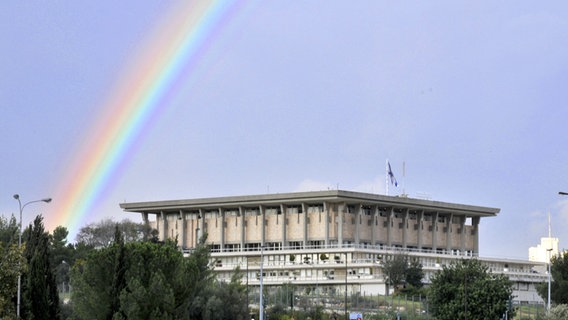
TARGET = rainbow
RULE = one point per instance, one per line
(165, 61)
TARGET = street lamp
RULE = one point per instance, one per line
(549, 276)
(17, 197)
(345, 300)
(261, 302)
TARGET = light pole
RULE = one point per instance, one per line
(345, 300)
(17, 197)
(549, 276)
(261, 302)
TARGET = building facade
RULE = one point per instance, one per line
(332, 240)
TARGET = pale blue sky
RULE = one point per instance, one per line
(296, 96)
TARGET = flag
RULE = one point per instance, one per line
(391, 175)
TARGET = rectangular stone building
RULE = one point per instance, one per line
(334, 240)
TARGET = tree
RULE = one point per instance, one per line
(467, 290)
(559, 285)
(401, 271)
(40, 299)
(101, 234)
(227, 300)
(9, 231)
(12, 263)
(559, 312)
(141, 280)
(119, 275)
(61, 255)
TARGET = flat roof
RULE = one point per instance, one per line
(310, 197)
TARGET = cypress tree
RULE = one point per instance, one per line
(40, 299)
(119, 280)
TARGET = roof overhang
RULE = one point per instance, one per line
(311, 197)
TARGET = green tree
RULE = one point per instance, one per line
(467, 290)
(559, 285)
(12, 263)
(9, 230)
(414, 273)
(202, 276)
(101, 234)
(92, 284)
(119, 275)
(402, 271)
(61, 255)
(141, 280)
(228, 300)
(40, 299)
(559, 312)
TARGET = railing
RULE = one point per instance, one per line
(380, 247)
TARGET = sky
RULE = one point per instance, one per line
(283, 96)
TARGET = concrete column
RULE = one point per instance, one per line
(405, 228)
(462, 235)
(357, 223)
(390, 222)
(201, 224)
(374, 226)
(475, 221)
(305, 211)
(182, 234)
(283, 209)
(435, 231)
(340, 216)
(221, 214)
(449, 232)
(145, 217)
(242, 215)
(146, 225)
(327, 222)
(194, 223)
(263, 225)
(420, 235)
(164, 225)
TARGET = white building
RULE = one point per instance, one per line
(547, 248)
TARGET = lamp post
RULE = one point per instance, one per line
(345, 302)
(17, 197)
(261, 302)
(549, 276)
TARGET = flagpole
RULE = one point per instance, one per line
(403, 178)
(387, 176)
